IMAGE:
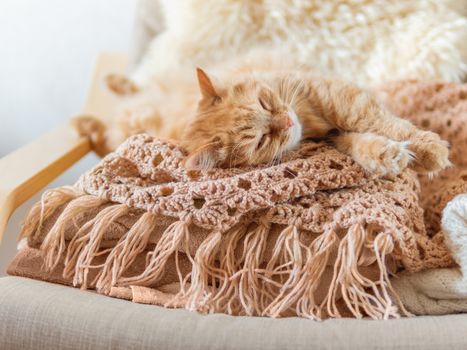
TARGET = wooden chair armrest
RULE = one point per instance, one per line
(27, 170)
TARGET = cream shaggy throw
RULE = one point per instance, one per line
(363, 41)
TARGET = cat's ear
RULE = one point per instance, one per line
(206, 157)
(205, 85)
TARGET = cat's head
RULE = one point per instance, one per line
(244, 123)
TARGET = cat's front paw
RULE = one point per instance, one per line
(430, 156)
(387, 157)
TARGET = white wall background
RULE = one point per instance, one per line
(47, 51)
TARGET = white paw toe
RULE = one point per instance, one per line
(395, 157)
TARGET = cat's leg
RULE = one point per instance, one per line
(354, 110)
(431, 153)
(94, 129)
(139, 116)
(375, 153)
(128, 120)
(135, 114)
(121, 85)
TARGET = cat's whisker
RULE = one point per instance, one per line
(278, 156)
(286, 89)
(298, 88)
(289, 91)
(233, 154)
(235, 150)
(282, 89)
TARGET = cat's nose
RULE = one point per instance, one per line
(282, 122)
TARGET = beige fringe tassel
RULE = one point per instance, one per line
(228, 271)
(353, 286)
(130, 245)
(299, 269)
(169, 243)
(50, 201)
(54, 244)
(85, 245)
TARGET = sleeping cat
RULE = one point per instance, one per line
(251, 117)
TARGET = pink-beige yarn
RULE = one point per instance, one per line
(442, 108)
(314, 236)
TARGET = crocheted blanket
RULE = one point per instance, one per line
(443, 109)
(315, 236)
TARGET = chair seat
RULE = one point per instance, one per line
(37, 315)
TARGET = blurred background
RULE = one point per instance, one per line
(46, 59)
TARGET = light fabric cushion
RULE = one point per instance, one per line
(37, 315)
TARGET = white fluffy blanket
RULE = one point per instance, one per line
(364, 41)
(440, 291)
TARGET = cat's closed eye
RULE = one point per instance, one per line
(265, 105)
(261, 142)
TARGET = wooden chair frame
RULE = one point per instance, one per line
(27, 170)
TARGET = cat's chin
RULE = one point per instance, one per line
(295, 131)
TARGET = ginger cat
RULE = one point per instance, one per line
(253, 116)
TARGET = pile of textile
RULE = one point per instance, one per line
(314, 236)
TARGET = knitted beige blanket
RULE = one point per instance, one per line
(314, 236)
(443, 109)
